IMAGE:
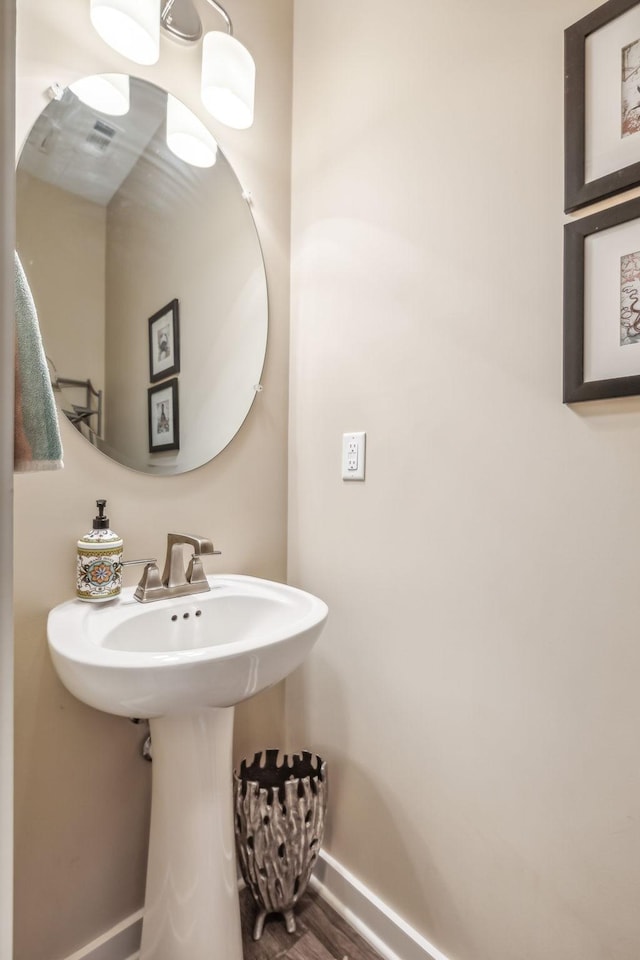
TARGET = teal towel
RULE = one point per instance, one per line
(37, 444)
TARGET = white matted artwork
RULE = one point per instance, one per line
(164, 417)
(609, 303)
(612, 98)
(164, 342)
(630, 87)
(602, 103)
(630, 298)
(602, 304)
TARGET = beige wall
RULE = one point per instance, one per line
(81, 787)
(476, 689)
(61, 239)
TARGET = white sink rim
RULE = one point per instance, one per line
(74, 627)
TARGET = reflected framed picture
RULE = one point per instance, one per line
(164, 342)
(164, 417)
(602, 305)
(602, 103)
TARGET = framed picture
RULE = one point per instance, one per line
(602, 305)
(602, 103)
(164, 342)
(164, 417)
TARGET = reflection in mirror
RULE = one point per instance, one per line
(120, 238)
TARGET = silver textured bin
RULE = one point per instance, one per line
(280, 806)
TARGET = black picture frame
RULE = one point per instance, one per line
(575, 388)
(578, 192)
(164, 342)
(164, 417)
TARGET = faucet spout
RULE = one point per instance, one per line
(175, 575)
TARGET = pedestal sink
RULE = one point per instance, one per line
(183, 664)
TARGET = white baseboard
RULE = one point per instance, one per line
(378, 924)
(120, 943)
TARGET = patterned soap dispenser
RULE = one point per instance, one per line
(99, 576)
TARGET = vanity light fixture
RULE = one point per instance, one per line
(132, 27)
(228, 70)
(228, 80)
(106, 92)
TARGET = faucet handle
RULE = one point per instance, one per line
(150, 586)
(195, 571)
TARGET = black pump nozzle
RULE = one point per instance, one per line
(101, 522)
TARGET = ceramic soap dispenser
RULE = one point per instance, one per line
(99, 575)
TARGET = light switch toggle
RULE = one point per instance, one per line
(353, 456)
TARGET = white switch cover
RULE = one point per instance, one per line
(353, 455)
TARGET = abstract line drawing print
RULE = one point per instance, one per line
(163, 342)
(630, 298)
(630, 118)
(163, 423)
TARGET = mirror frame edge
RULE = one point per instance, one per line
(7, 339)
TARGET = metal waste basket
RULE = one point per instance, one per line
(280, 806)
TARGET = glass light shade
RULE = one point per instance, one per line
(187, 136)
(105, 92)
(228, 80)
(132, 27)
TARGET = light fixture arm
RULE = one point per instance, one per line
(166, 10)
(180, 19)
(223, 13)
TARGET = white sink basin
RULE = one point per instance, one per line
(178, 655)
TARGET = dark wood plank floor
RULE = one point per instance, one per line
(320, 934)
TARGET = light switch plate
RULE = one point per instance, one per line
(353, 455)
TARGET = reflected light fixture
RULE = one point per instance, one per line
(106, 92)
(228, 69)
(187, 136)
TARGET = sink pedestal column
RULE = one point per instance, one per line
(192, 910)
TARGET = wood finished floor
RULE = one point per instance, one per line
(320, 934)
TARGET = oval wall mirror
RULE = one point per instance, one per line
(148, 279)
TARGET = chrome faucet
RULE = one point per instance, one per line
(176, 581)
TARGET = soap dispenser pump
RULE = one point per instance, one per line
(99, 572)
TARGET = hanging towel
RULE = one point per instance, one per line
(37, 444)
